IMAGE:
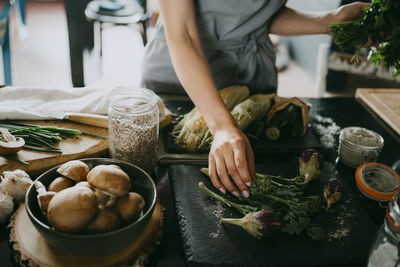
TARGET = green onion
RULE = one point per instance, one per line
(42, 138)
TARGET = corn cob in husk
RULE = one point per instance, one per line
(252, 109)
(192, 131)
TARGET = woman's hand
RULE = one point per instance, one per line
(290, 22)
(231, 155)
(348, 12)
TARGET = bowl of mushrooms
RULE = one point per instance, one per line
(91, 206)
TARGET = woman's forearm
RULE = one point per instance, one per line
(192, 68)
(291, 22)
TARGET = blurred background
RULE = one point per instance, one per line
(60, 45)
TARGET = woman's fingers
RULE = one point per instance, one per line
(214, 176)
(250, 162)
(241, 161)
(223, 174)
(231, 162)
(235, 172)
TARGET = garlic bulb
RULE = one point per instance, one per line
(6, 207)
(15, 184)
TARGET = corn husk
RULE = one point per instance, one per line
(252, 109)
(192, 131)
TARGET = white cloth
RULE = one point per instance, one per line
(30, 103)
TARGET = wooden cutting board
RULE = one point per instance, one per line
(384, 102)
(73, 148)
(32, 249)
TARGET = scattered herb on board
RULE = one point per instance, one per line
(41, 138)
(380, 22)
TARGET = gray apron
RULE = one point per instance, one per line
(234, 36)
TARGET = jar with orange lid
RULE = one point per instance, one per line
(377, 181)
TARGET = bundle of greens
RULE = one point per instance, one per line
(289, 199)
(41, 138)
(381, 23)
(285, 196)
(262, 223)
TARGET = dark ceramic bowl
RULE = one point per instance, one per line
(95, 244)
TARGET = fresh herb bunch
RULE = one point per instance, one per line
(380, 22)
(286, 196)
(283, 195)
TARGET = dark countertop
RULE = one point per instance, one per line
(344, 111)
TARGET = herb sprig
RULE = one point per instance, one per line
(381, 23)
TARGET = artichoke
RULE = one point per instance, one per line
(259, 224)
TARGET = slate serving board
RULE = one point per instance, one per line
(260, 146)
(349, 230)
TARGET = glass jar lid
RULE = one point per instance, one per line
(133, 100)
(361, 138)
(377, 181)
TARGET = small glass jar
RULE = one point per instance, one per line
(133, 120)
(377, 181)
(358, 145)
(385, 249)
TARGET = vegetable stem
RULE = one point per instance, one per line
(232, 221)
(244, 209)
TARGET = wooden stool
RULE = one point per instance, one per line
(116, 12)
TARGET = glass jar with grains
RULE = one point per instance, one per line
(133, 119)
(385, 249)
(358, 145)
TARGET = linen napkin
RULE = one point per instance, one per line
(41, 103)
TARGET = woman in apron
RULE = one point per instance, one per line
(201, 46)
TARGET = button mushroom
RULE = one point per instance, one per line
(43, 196)
(109, 182)
(75, 170)
(60, 183)
(15, 183)
(129, 206)
(72, 209)
(105, 221)
(9, 144)
(6, 207)
(84, 183)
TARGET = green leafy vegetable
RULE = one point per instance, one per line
(244, 209)
(381, 23)
(283, 195)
